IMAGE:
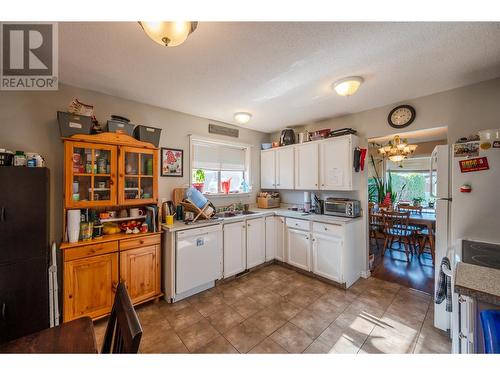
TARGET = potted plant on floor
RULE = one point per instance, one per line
(199, 180)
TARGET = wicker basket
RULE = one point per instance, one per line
(268, 202)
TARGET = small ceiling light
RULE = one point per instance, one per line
(242, 117)
(168, 34)
(347, 86)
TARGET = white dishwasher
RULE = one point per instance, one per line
(198, 259)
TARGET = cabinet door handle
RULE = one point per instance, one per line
(461, 299)
(2, 214)
(3, 311)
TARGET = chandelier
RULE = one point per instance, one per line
(397, 149)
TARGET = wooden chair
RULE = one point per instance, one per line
(376, 224)
(396, 229)
(124, 331)
(423, 237)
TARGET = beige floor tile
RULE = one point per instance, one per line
(169, 309)
(264, 297)
(285, 309)
(266, 320)
(231, 294)
(328, 308)
(359, 320)
(303, 297)
(338, 339)
(218, 346)
(184, 318)
(292, 338)
(168, 343)
(391, 339)
(268, 346)
(244, 337)
(246, 306)
(312, 323)
(225, 318)
(281, 287)
(197, 335)
(433, 340)
(208, 304)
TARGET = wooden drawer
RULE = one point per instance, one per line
(298, 224)
(90, 250)
(328, 229)
(140, 242)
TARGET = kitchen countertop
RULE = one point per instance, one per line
(260, 212)
(480, 283)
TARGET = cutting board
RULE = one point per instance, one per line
(178, 195)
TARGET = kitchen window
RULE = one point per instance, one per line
(217, 166)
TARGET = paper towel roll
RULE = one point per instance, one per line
(73, 225)
(307, 197)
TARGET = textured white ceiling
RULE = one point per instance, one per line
(280, 72)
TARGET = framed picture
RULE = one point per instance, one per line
(172, 162)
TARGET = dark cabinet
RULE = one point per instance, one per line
(24, 251)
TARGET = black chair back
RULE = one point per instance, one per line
(124, 331)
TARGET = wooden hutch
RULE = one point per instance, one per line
(109, 171)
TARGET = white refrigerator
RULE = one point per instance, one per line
(473, 215)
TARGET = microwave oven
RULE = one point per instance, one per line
(342, 207)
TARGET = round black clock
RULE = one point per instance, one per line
(401, 116)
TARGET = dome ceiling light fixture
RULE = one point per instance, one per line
(397, 149)
(347, 86)
(242, 117)
(168, 34)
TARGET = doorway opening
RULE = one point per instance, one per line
(401, 210)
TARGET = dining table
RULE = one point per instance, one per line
(425, 219)
(76, 336)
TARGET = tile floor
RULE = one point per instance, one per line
(278, 310)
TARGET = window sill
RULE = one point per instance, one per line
(222, 195)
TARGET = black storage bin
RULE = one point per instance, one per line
(121, 127)
(70, 124)
(147, 134)
(6, 159)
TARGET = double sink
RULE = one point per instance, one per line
(234, 213)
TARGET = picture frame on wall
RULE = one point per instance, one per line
(172, 162)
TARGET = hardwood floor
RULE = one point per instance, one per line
(417, 274)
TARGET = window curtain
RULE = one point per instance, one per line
(213, 156)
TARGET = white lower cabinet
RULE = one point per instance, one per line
(280, 239)
(256, 242)
(235, 252)
(327, 256)
(271, 238)
(299, 248)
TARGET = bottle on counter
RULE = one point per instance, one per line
(19, 159)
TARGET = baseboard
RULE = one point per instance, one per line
(365, 274)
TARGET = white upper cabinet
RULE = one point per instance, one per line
(284, 168)
(318, 165)
(336, 170)
(267, 169)
(306, 166)
(256, 242)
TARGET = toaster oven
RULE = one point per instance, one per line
(342, 207)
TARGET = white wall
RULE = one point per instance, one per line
(28, 122)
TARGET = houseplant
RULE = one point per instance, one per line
(382, 192)
(199, 180)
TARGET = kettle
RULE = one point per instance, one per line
(287, 137)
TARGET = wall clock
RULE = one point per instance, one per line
(401, 116)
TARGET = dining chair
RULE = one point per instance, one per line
(376, 224)
(124, 331)
(424, 238)
(396, 228)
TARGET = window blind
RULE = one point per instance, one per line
(422, 164)
(208, 155)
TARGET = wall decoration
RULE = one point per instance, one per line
(473, 165)
(466, 149)
(172, 162)
(401, 116)
(496, 144)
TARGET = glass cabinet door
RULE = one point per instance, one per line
(137, 175)
(90, 175)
